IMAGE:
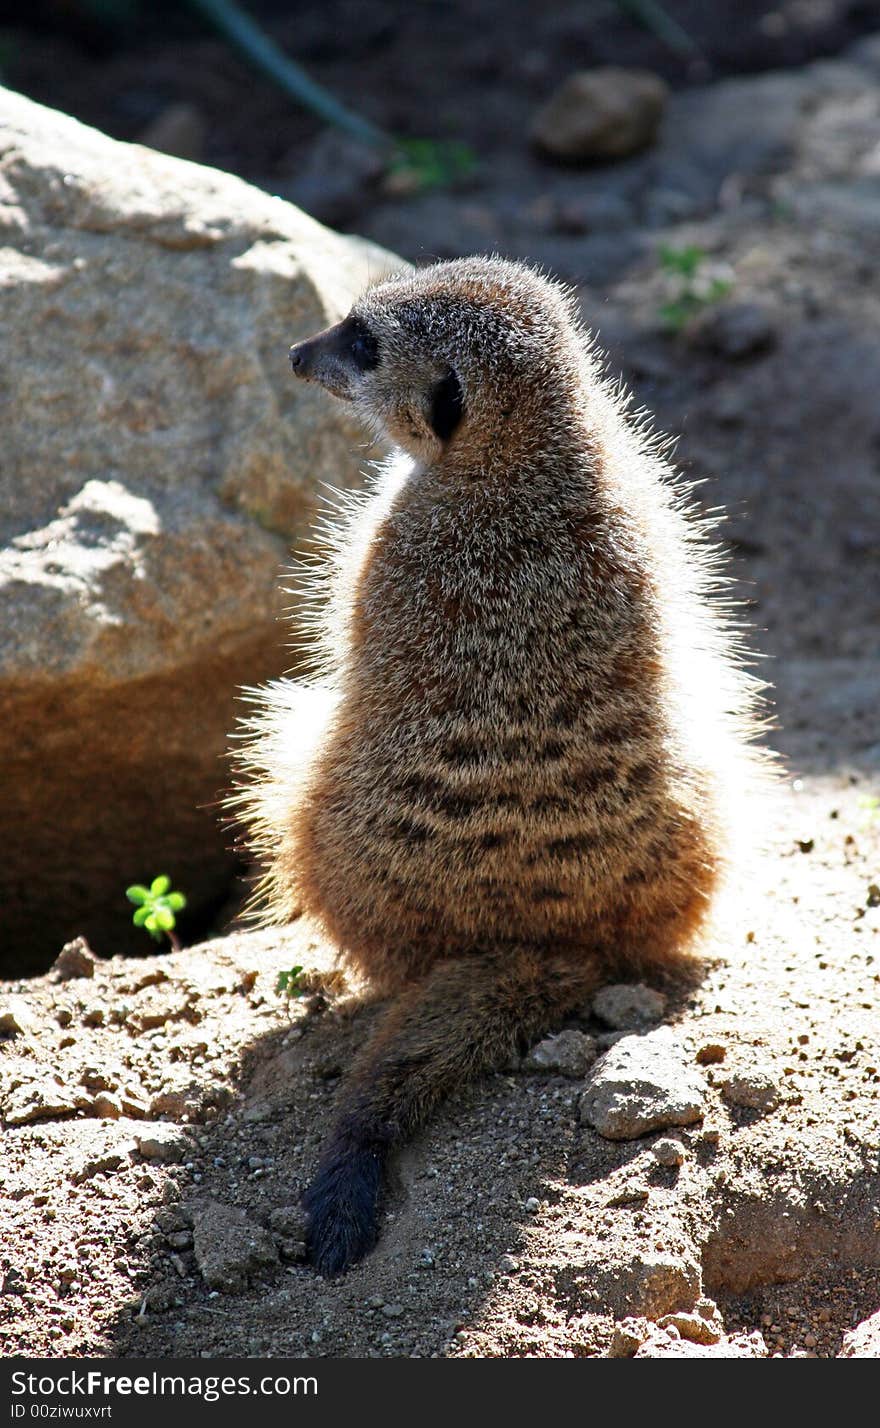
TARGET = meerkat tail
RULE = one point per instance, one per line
(468, 1015)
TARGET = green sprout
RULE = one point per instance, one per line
(288, 983)
(155, 907)
(870, 804)
(694, 284)
(420, 164)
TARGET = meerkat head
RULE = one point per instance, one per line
(450, 358)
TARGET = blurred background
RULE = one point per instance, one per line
(473, 72)
(706, 176)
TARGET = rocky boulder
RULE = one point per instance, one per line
(157, 465)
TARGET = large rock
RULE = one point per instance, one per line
(157, 465)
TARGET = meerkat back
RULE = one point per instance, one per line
(519, 771)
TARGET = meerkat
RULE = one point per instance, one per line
(512, 775)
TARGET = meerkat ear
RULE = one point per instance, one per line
(447, 406)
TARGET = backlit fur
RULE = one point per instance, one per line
(517, 767)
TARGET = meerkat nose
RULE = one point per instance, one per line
(297, 357)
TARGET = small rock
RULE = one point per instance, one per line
(606, 1039)
(629, 1197)
(180, 1239)
(93, 1016)
(627, 1008)
(288, 1222)
(105, 1164)
(600, 114)
(293, 1251)
(754, 1087)
(711, 1053)
(392, 1311)
(175, 1104)
(628, 1337)
(229, 1247)
(643, 1083)
(161, 1297)
(162, 1143)
(734, 330)
(569, 1052)
(509, 1263)
(532, 1205)
(692, 1327)
(668, 1152)
(76, 959)
(171, 1218)
(108, 1107)
(37, 1101)
(16, 1018)
(132, 1106)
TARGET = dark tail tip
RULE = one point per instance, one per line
(343, 1208)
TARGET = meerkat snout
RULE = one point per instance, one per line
(337, 358)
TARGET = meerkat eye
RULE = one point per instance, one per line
(447, 406)
(364, 348)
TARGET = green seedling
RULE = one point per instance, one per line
(694, 284)
(420, 164)
(288, 983)
(870, 804)
(155, 908)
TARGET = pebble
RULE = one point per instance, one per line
(711, 1053)
(605, 113)
(693, 1327)
(628, 1007)
(16, 1018)
(755, 1088)
(76, 959)
(668, 1152)
(288, 1222)
(643, 1083)
(571, 1053)
(532, 1205)
(162, 1143)
(628, 1336)
(38, 1100)
(107, 1106)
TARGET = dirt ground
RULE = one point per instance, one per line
(514, 1229)
(167, 1104)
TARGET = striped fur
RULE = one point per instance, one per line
(520, 759)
